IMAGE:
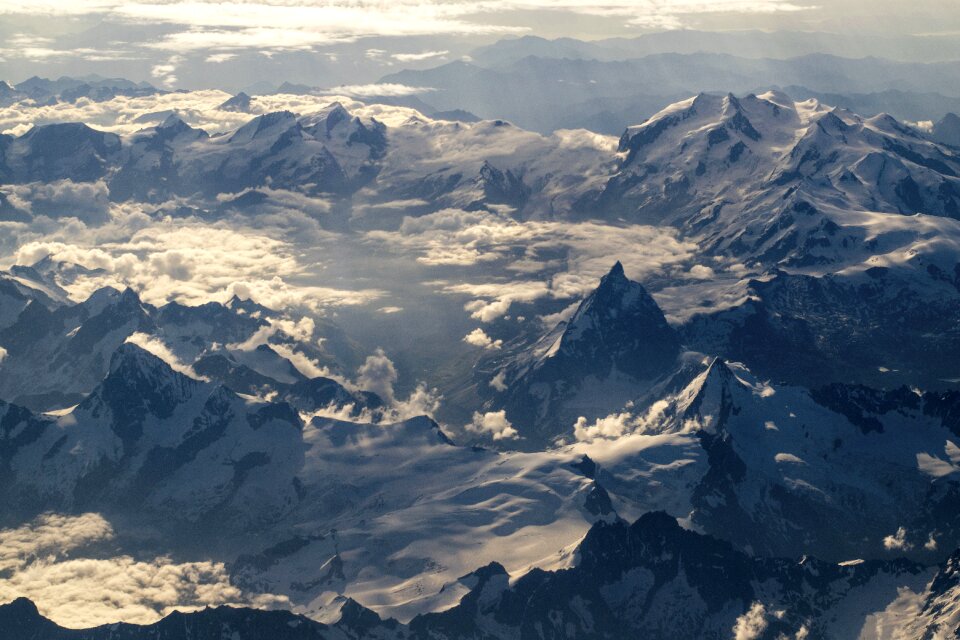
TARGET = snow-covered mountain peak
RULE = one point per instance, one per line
(267, 125)
(616, 339)
(137, 376)
(171, 122)
(239, 103)
(138, 386)
(174, 128)
(619, 324)
(130, 299)
(327, 119)
(707, 402)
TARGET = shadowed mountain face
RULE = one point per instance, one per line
(617, 328)
(617, 338)
(947, 130)
(56, 352)
(629, 579)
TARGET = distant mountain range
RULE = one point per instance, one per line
(815, 201)
(776, 413)
(545, 92)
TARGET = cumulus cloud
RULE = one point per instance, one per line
(498, 382)
(89, 592)
(752, 624)
(493, 424)
(616, 425)
(50, 534)
(378, 374)
(701, 272)
(49, 560)
(423, 401)
(898, 541)
(479, 338)
(86, 201)
(610, 427)
(3, 354)
(193, 264)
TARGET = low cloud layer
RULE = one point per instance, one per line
(579, 255)
(192, 264)
(50, 561)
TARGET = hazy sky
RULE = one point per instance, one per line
(153, 40)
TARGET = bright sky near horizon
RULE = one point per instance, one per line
(148, 39)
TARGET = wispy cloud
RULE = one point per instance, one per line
(273, 25)
(417, 57)
(376, 90)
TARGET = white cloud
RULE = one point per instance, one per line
(50, 534)
(498, 382)
(752, 624)
(193, 263)
(553, 319)
(493, 424)
(610, 427)
(302, 362)
(165, 72)
(86, 201)
(331, 20)
(616, 425)
(495, 300)
(218, 58)
(3, 354)
(897, 541)
(453, 237)
(701, 272)
(417, 57)
(156, 346)
(423, 401)
(276, 25)
(479, 338)
(379, 89)
(378, 374)
(301, 331)
(45, 560)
